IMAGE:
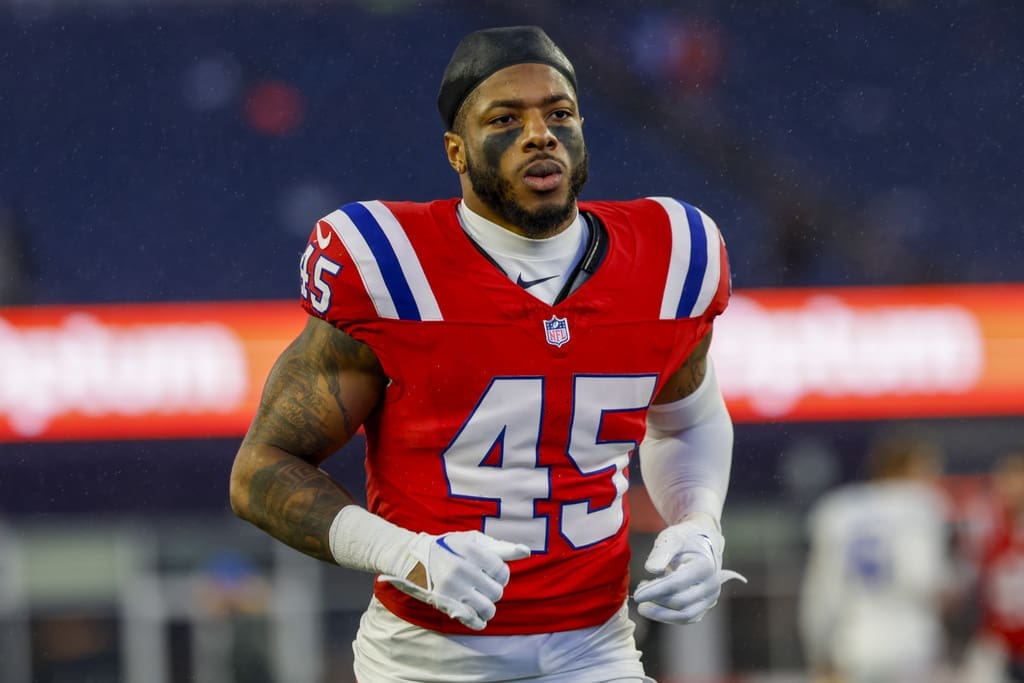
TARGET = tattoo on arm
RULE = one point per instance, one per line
(319, 392)
(295, 502)
(305, 409)
(690, 378)
(292, 411)
(690, 374)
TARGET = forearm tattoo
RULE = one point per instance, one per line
(296, 503)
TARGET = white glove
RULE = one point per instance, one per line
(466, 574)
(688, 555)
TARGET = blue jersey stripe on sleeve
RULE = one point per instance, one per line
(698, 262)
(387, 260)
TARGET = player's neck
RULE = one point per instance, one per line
(474, 204)
(495, 238)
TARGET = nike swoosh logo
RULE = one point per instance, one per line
(441, 542)
(323, 241)
(526, 284)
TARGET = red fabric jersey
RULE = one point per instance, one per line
(507, 415)
(1002, 587)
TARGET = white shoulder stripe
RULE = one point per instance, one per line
(694, 263)
(411, 267)
(679, 256)
(386, 261)
(366, 264)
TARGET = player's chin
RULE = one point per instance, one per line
(546, 199)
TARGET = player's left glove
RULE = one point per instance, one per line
(688, 555)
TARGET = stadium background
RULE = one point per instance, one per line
(178, 152)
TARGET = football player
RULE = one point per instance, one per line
(996, 652)
(506, 353)
(879, 571)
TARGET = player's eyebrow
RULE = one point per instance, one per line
(518, 103)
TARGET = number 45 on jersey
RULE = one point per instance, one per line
(508, 418)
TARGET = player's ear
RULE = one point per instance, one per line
(455, 148)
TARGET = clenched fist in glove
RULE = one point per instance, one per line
(688, 555)
(466, 573)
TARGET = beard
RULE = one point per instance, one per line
(496, 192)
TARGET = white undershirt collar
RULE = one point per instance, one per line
(539, 266)
(498, 240)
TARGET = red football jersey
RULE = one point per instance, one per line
(1002, 588)
(507, 415)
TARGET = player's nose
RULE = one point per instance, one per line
(536, 133)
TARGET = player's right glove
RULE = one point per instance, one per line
(466, 574)
(466, 571)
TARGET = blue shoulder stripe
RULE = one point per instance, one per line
(386, 260)
(694, 268)
(390, 268)
(698, 261)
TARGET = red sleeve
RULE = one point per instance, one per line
(331, 287)
(721, 298)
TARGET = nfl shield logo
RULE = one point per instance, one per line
(556, 331)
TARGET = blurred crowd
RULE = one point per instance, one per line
(834, 144)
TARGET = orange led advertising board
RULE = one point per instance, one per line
(872, 353)
(196, 370)
(137, 371)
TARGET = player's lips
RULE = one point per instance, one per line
(543, 175)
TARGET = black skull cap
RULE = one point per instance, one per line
(483, 53)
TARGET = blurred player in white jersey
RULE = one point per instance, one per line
(878, 570)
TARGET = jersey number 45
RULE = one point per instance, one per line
(495, 456)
